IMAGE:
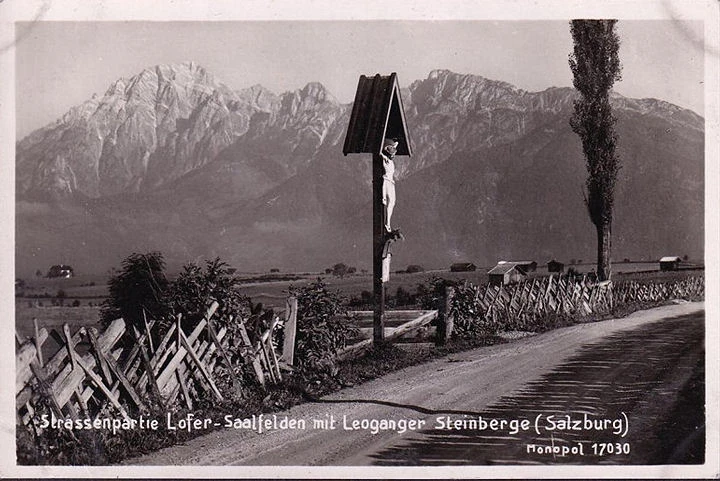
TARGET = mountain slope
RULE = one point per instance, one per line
(175, 161)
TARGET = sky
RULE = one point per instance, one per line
(60, 64)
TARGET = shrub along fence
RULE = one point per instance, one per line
(95, 373)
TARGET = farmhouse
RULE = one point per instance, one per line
(506, 273)
(555, 266)
(670, 263)
(463, 267)
(60, 270)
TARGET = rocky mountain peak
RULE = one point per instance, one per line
(318, 92)
(444, 90)
(307, 100)
(259, 97)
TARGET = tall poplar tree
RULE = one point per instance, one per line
(596, 66)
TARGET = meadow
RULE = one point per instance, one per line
(77, 300)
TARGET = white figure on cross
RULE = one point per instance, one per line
(388, 187)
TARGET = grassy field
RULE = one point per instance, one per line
(38, 299)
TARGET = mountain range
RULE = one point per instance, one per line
(173, 160)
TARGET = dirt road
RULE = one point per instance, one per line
(595, 393)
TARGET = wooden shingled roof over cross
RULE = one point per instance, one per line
(377, 114)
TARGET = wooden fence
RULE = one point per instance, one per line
(93, 373)
(515, 306)
(691, 288)
(396, 324)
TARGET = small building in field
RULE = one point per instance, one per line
(463, 267)
(670, 263)
(555, 266)
(506, 273)
(526, 266)
(523, 266)
(61, 270)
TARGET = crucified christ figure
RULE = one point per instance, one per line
(388, 187)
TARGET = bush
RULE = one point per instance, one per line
(191, 292)
(432, 295)
(142, 285)
(411, 269)
(470, 320)
(340, 270)
(403, 297)
(323, 327)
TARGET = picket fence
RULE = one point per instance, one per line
(93, 373)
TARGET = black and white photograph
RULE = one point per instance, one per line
(372, 239)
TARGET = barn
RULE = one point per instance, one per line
(555, 266)
(506, 273)
(670, 263)
(526, 266)
(60, 270)
(463, 267)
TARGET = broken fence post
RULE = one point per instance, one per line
(446, 319)
(288, 352)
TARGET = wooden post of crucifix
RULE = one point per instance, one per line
(377, 126)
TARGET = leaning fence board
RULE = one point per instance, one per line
(250, 355)
(186, 369)
(184, 389)
(27, 353)
(99, 383)
(47, 390)
(424, 317)
(169, 370)
(124, 382)
(205, 351)
(99, 355)
(163, 350)
(133, 359)
(213, 336)
(290, 328)
(200, 365)
(148, 367)
(64, 384)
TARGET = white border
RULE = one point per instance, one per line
(206, 10)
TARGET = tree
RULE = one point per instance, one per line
(596, 66)
(140, 284)
(340, 270)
